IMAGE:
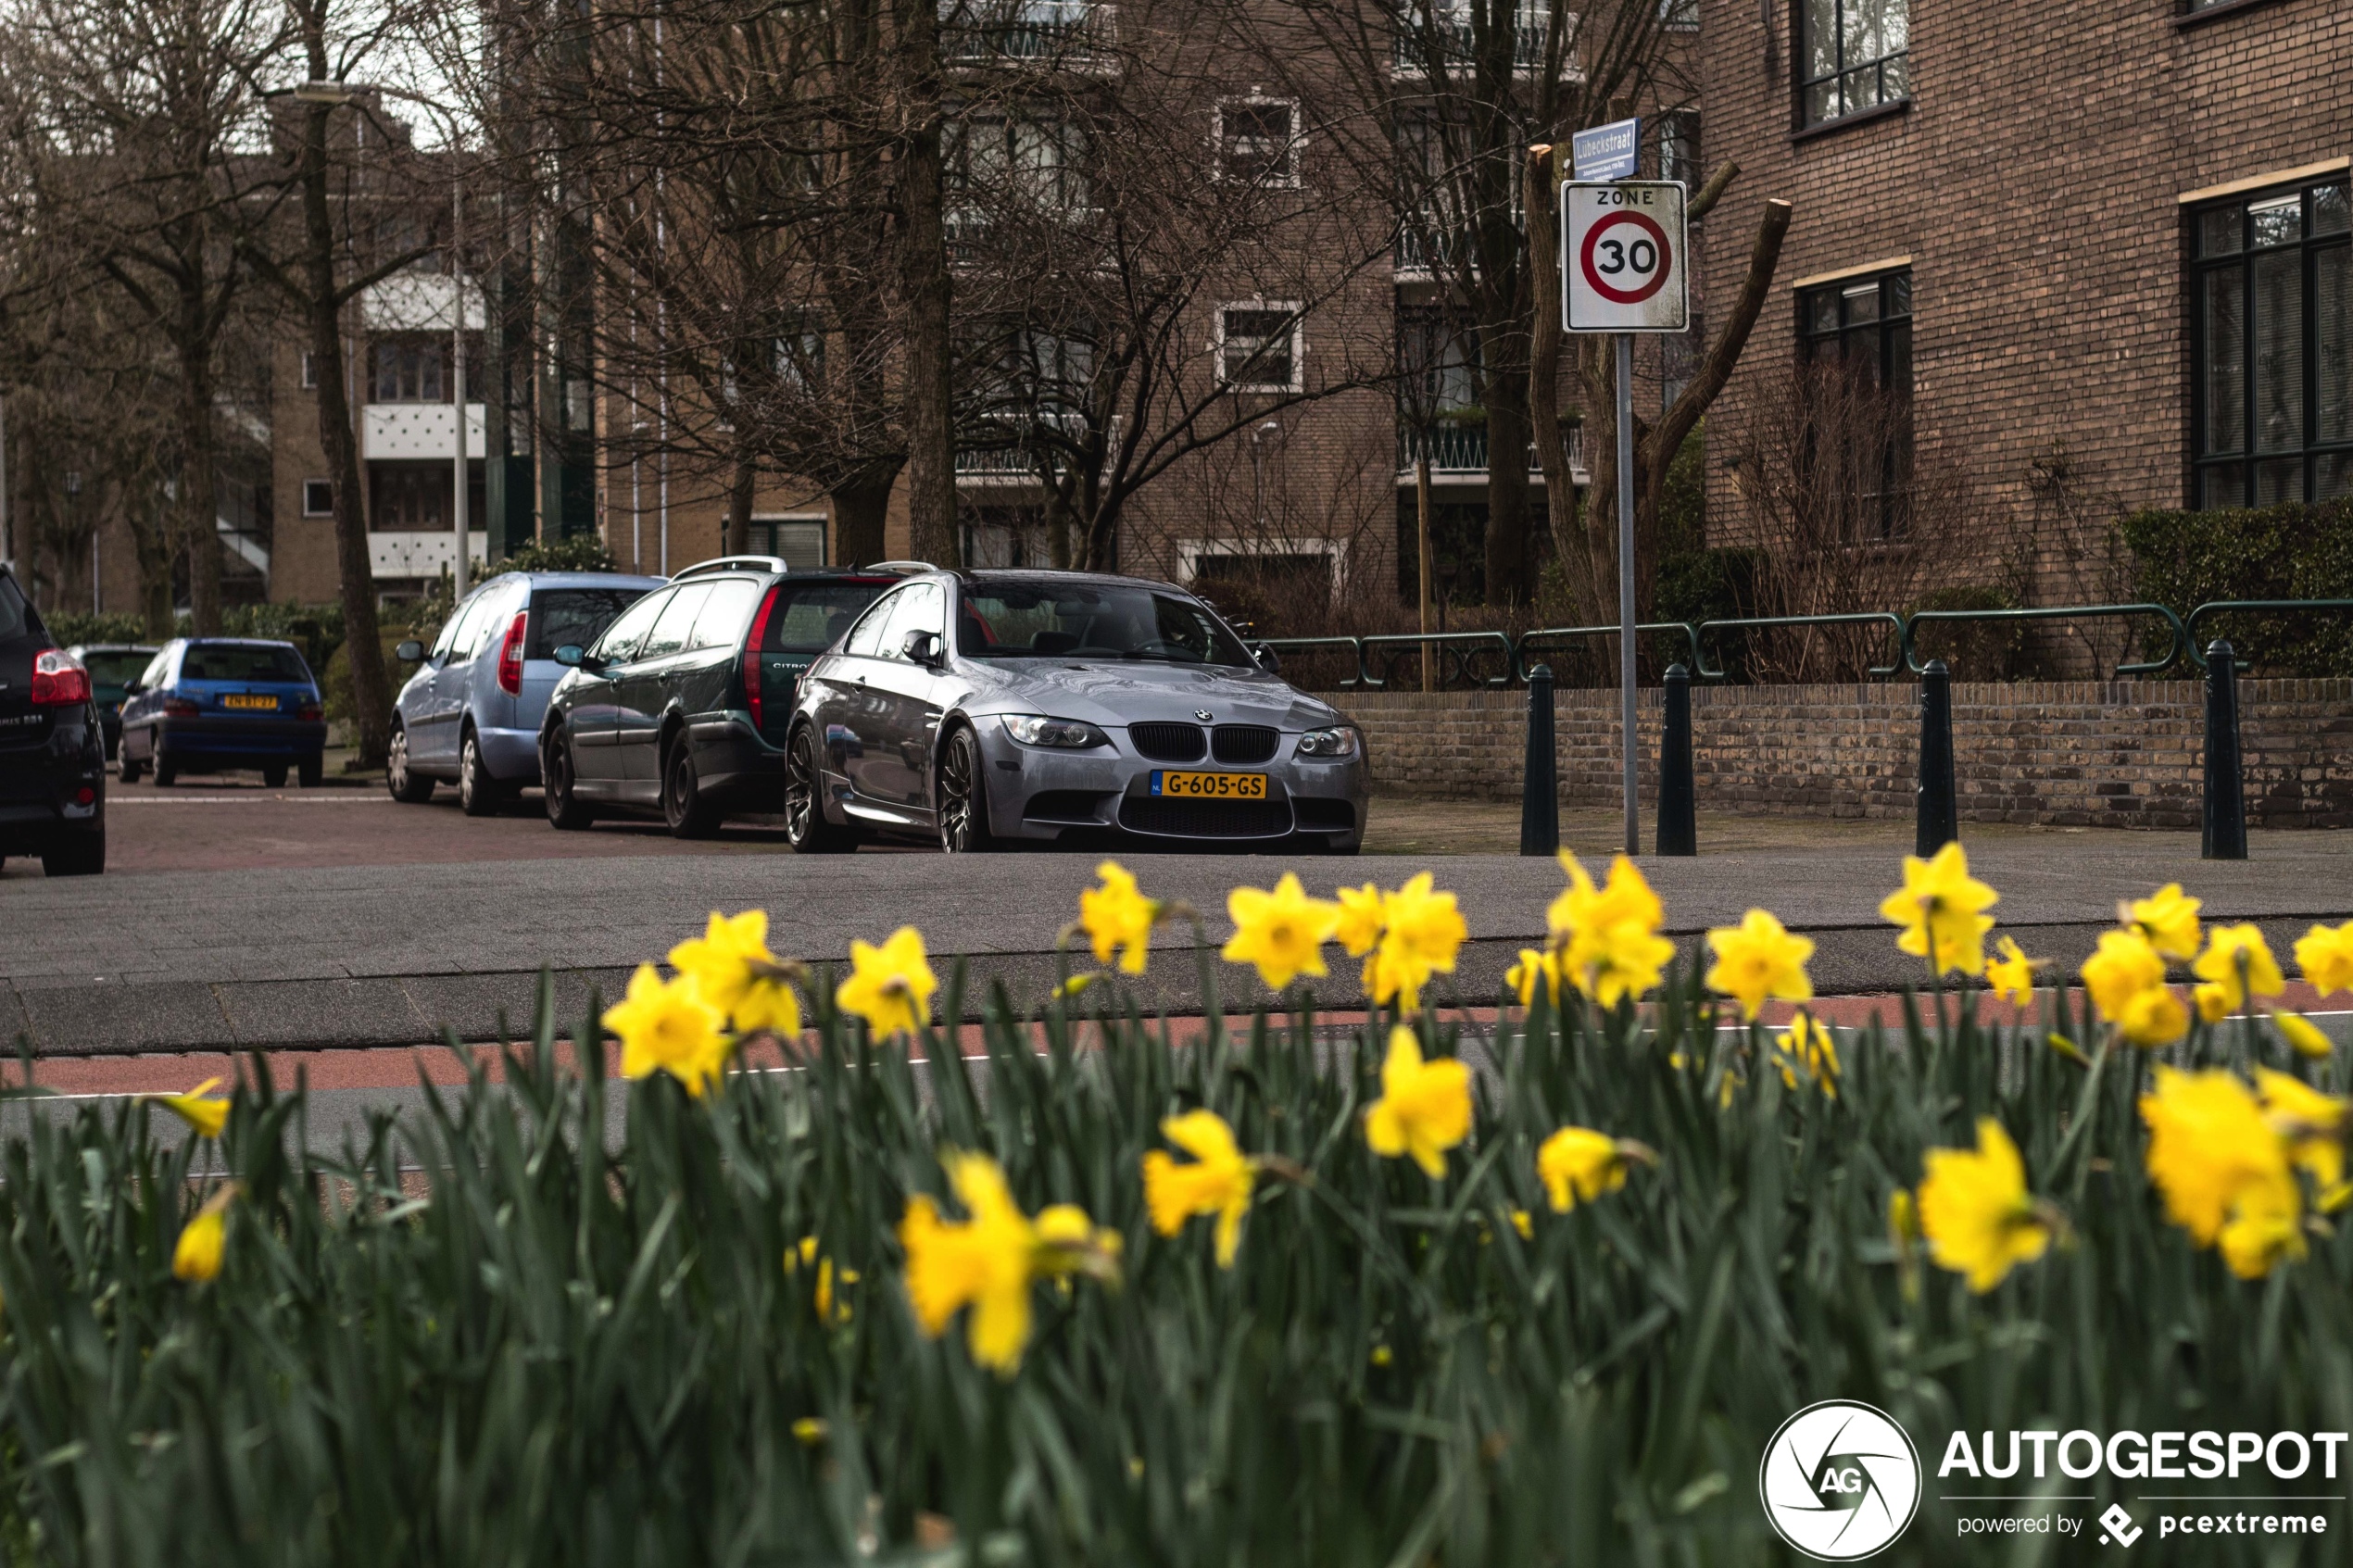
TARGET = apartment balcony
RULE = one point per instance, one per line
(1410, 58)
(1421, 253)
(409, 431)
(995, 465)
(1458, 455)
(427, 554)
(1073, 36)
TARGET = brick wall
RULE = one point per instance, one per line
(2115, 754)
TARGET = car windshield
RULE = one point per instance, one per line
(115, 666)
(234, 662)
(573, 616)
(810, 616)
(1042, 618)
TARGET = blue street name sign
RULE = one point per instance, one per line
(1606, 151)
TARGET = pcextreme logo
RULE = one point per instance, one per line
(1840, 1480)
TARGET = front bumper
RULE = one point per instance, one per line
(1040, 794)
(288, 738)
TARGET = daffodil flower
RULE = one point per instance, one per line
(1421, 933)
(1608, 937)
(1118, 918)
(2237, 963)
(204, 1240)
(2168, 918)
(1282, 932)
(1578, 1165)
(1758, 959)
(733, 969)
(1425, 1106)
(1942, 910)
(204, 1111)
(2012, 973)
(989, 1262)
(1974, 1209)
(2326, 954)
(889, 986)
(1216, 1181)
(668, 1026)
(2223, 1168)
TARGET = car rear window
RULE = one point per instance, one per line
(115, 666)
(230, 661)
(810, 616)
(574, 616)
(14, 611)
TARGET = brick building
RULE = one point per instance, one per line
(2103, 248)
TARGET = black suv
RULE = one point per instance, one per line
(52, 754)
(682, 705)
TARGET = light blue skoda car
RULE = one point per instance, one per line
(470, 715)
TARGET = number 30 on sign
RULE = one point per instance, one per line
(1624, 256)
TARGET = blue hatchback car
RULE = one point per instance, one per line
(470, 715)
(208, 705)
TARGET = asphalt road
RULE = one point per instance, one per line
(233, 917)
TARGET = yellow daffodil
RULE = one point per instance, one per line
(1283, 932)
(1942, 910)
(1974, 1210)
(2168, 918)
(668, 1026)
(1806, 1046)
(2012, 973)
(1522, 1223)
(1903, 1235)
(2126, 979)
(1218, 1180)
(889, 986)
(822, 1296)
(989, 1261)
(1758, 959)
(1118, 918)
(1425, 1106)
(731, 965)
(196, 1257)
(1578, 1165)
(1608, 937)
(1536, 967)
(1421, 932)
(1361, 919)
(2303, 1033)
(2314, 1125)
(2237, 963)
(2326, 954)
(2222, 1168)
(810, 1431)
(200, 1107)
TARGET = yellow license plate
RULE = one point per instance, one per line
(1211, 786)
(242, 699)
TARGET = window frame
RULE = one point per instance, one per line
(310, 510)
(1841, 70)
(2197, 267)
(1833, 344)
(1283, 172)
(1292, 310)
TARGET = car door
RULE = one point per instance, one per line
(144, 703)
(846, 705)
(642, 691)
(905, 697)
(707, 683)
(432, 736)
(592, 700)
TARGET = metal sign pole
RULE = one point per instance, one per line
(1626, 659)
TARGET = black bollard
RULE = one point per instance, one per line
(1939, 817)
(1678, 825)
(2225, 836)
(1540, 808)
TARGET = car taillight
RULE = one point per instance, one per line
(58, 679)
(180, 707)
(309, 713)
(511, 655)
(753, 697)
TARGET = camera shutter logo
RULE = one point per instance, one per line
(1839, 1481)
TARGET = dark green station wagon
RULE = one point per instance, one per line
(681, 706)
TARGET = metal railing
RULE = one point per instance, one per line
(1453, 31)
(1373, 661)
(1077, 33)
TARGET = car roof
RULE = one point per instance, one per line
(79, 649)
(1008, 573)
(580, 579)
(237, 643)
(775, 566)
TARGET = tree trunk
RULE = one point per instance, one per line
(1507, 478)
(925, 291)
(370, 692)
(860, 507)
(1597, 377)
(1543, 375)
(151, 548)
(199, 498)
(1421, 544)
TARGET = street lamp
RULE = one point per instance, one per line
(339, 92)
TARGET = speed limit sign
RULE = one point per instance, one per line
(1622, 247)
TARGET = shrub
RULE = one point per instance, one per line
(498, 1330)
(1972, 650)
(2291, 551)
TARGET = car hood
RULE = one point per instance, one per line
(1113, 695)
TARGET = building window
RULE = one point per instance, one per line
(1678, 147)
(1037, 161)
(410, 497)
(318, 497)
(1258, 347)
(799, 541)
(1855, 56)
(1679, 15)
(1855, 352)
(1258, 142)
(408, 370)
(310, 372)
(2272, 336)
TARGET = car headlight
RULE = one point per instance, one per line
(1068, 735)
(1330, 746)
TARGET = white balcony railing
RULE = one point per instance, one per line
(1065, 34)
(1451, 30)
(408, 432)
(1458, 453)
(428, 555)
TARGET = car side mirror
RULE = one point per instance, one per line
(922, 648)
(572, 655)
(411, 652)
(1268, 660)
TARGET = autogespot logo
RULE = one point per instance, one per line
(1840, 1480)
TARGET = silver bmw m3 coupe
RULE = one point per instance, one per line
(992, 708)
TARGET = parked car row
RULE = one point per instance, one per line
(52, 754)
(975, 709)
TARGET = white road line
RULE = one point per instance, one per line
(356, 797)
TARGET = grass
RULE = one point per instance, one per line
(479, 1336)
